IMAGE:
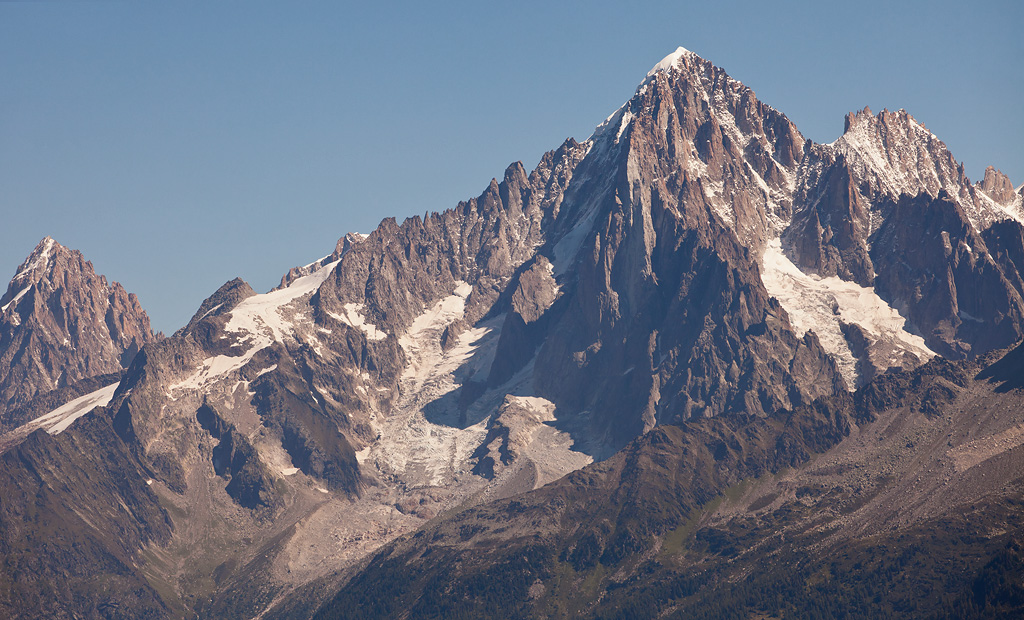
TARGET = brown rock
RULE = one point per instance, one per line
(61, 322)
(998, 186)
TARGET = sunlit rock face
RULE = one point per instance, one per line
(61, 322)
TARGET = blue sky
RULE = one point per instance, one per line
(179, 145)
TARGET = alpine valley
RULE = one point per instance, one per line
(694, 366)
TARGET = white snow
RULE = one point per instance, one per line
(259, 317)
(353, 318)
(30, 265)
(627, 116)
(1011, 210)
(316, 262)
(670, 61)
(412, 447)
(15, 299)
(912, 163)
(211, 311)
(424, 441)
(217, 366)
(423, 337)
(259, 321)
(963, 314)
(266, 370)
(816, 303)
(27, 268)
(62, 417)
(613, 120)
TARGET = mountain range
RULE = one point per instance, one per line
(694, 366)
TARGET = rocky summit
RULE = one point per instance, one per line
(683, 366)
(61, 323)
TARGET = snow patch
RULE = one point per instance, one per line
(1011, 210)
(211, 311)
(266, 370)
(214, 367)
(28, 267)
(259, 317)
(668, 62)
(819, 304)
(613, 120)
(316, 262)
(353, 318)
(627, 116)
(62, 417)
(422, 342)
(20, 294)
(259, 321)
(31, 264)
(963, 314)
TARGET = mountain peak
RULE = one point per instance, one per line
(853, 118)
(671, 61)
(31, 270)
(40, 258)
(997, 186)
(866, 119)
(79, 324)
(897, 155)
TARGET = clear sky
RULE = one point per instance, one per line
(181, 144)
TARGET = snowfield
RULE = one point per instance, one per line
(258, 321)
(820, 304)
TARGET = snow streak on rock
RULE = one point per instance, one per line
(353, 317)
(61, 418)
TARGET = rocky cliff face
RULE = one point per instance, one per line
(665, 315)
(695, 258)
(938, 269)
(61, 322)
(998, 187)
(845, 189)
(862, 206)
